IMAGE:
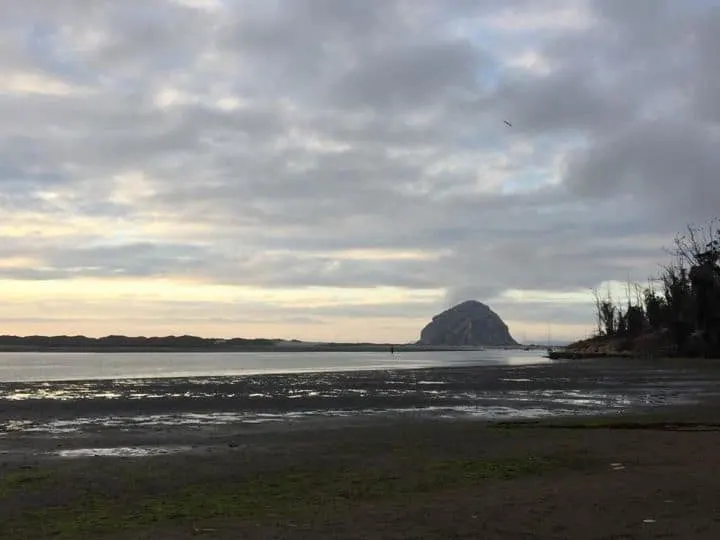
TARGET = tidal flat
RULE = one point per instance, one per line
(591, 449)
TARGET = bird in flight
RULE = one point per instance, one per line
(508, 124)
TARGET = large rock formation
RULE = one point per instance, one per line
(469, 323)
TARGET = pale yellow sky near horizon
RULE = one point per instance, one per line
(155, 306)
(175, 305)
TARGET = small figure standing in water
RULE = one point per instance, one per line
(392, 349)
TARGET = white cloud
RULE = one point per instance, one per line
(207, 5)
(532, 61)
(532, 16)
(37, 83)
(131, 186)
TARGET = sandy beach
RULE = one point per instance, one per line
(647, 468)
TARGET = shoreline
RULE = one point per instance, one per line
(261, 348)
(585, 355)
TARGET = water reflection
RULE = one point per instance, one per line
(48, 366)
(202, 421)
(71, 407)
(481, 405)
(135, 451)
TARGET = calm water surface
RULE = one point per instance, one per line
(50, 366)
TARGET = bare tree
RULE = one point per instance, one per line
(608, 315)
(598, 317)
(692, 247)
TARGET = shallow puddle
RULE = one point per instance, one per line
(136, 451)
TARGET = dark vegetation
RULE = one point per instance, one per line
(187, 343)
(197, 344)
(129, 342)
(676, 314)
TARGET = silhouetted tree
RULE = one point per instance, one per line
(655, 309)
(608, 313)
(635, 321)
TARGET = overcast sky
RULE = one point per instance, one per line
(340, 169)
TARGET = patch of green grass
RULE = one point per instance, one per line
(272, 496)
(22, 480)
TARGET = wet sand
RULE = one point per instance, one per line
(601, 383)
(648, 468)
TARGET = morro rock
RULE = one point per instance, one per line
(469, 323)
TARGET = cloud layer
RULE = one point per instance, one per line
(341, 170)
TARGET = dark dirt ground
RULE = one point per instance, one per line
(422, 479)
(637, 474)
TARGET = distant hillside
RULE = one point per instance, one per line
(39, 343)
(468, 323)
(140, 344)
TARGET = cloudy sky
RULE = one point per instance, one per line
(340, 169)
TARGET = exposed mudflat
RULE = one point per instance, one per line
(592, 449)
(71, 417)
